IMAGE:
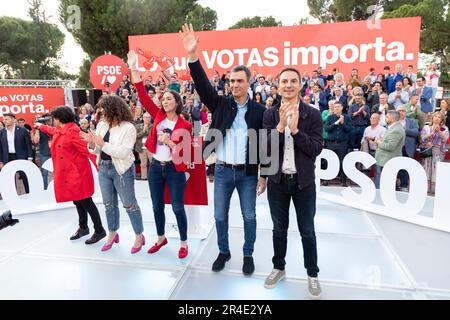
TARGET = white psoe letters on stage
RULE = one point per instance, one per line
(391, 206)
(38, 199)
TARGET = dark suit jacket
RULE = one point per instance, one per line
(224, 111)
(22, 143)
(412, 136)
(307, 142)
(323, 102)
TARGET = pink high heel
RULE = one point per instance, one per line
(137, 249)
(106, 247)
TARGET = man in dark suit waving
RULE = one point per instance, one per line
(234, 119)
(15, 144)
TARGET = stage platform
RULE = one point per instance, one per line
(361, 256)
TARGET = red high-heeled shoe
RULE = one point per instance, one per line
(137, 249)
(183, 252)
(157, 246)
(106, 247)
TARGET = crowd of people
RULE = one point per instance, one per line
(386, 115)
(365, 103)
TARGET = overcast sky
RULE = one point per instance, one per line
(228, 13)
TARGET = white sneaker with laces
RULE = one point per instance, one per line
(274, 277)
(314, 288)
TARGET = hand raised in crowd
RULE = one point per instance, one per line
(132, 64)
(190, 40)
(132, 60)
(341, 119)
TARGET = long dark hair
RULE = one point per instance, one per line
(115, 109)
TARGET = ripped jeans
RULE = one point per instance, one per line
(111, 184)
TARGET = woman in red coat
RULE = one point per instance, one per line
(73, 179)
(161, 142)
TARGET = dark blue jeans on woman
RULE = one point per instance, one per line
(158, 176)
(279, 196)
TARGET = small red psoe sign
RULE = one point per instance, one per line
(107, 68)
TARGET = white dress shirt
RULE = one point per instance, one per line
(11, 135)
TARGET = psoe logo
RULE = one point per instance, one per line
(364, 199)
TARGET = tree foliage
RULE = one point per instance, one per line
(435, 29)
(351, 10)
(256, 22)
(30, 49)
(106, 24)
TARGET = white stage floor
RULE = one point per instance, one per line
(361, 256)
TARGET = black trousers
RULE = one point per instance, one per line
(22, 175)
(340, 148)
(210, 169)
(403, 174)
(84, 207)
(280, 195)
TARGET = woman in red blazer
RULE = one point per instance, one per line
(161, 142)
(73, 179)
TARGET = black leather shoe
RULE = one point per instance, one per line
(219, 264)
(96, 237)
(248, 267)
(80, 233)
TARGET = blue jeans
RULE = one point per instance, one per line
(111, 184)
(356, 135)
(43, 171)
(378, 170)
(158, 176)
(225, 181)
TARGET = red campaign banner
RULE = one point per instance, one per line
(29, 103)
(196, 192)
(345, 45)
(107, 68)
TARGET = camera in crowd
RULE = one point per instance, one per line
(43, 119)
(6, 220)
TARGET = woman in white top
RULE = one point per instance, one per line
(113, 143)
